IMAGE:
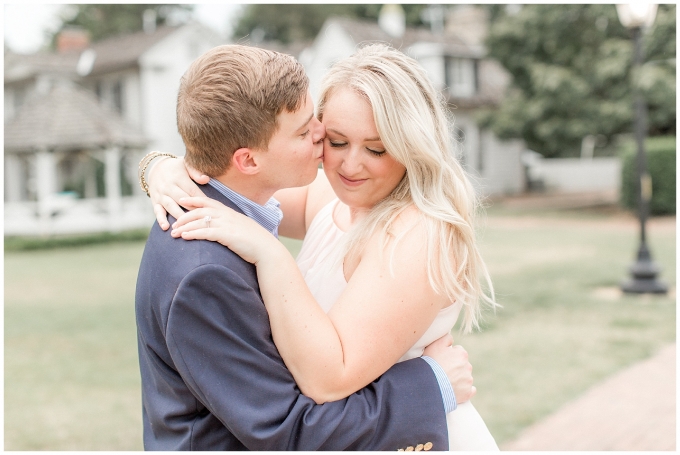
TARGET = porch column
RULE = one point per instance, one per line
(90, 171)
(13, 178)
(133, 169)
(113, 190)
(472, 136)
(46, 181)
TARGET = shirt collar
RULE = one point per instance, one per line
(268, 216)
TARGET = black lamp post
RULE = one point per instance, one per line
(644, 271)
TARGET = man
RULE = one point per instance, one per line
(212, 378)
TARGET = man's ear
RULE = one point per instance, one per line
(246, 160)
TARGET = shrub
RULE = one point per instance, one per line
(19, 243)
(660, 152)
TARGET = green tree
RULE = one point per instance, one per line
(287, 23)
(571, 75)
(105, 20)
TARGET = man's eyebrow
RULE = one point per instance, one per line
(306, 122)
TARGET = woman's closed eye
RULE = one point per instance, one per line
(339, 144)
(376, 152)
(304, 135)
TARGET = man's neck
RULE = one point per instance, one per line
(247, 186)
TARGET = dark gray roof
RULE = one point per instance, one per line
(492, 77)
(117, 52)
(68, 117)
(363, 31)
(124, 51)
(20, 67)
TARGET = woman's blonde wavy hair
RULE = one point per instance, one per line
(411, 118)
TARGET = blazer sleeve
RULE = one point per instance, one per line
(219, 337)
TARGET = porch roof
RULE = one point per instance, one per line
(68, 118)
(19, 67)
(363, 31)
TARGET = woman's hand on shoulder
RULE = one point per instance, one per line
(169, 181)
(209, 219)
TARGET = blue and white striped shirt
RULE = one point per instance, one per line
(268, 216)
(445, 386)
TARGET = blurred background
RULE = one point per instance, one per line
(564, 116)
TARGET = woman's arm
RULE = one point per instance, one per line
(379, 316)
(170, 180)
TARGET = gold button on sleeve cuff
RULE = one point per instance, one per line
(427, 446)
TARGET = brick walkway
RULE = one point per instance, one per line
(632, 410)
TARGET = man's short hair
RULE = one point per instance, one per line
(229, 98)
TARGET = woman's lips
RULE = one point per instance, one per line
(349, 182)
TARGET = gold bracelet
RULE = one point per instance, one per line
(144, 163)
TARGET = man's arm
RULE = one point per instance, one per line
(219, 337)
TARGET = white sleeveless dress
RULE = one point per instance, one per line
(326, 280)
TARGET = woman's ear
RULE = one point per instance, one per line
(246, 161)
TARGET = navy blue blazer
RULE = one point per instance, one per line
(212, 378)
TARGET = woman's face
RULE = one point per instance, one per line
(356, 164)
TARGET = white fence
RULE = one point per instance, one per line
(78, 217)
(577, 175)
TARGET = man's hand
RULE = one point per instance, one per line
(454, 361)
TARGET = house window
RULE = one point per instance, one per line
(117, 96)
(460, 144)
(19, 97)
(111, 94)
(98, 90)
(461, 76)
(14, 99)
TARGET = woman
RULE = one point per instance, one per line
(389, 258)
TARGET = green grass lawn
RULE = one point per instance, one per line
(71, 372)
(559, 332)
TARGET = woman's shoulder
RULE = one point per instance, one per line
(409, 226)
(404, 239)
(407, 220)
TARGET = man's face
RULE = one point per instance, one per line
(295, 150)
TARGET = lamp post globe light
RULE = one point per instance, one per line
(644, 271)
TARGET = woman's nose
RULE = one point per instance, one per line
(351, 162)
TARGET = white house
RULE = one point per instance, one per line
(138, 75)
(456, 62)
(111, 101)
